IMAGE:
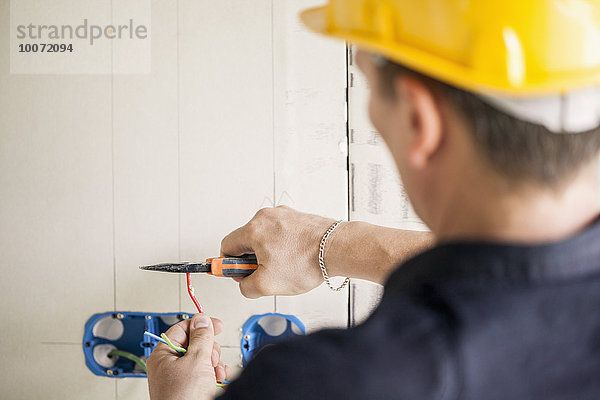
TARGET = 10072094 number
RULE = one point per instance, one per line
(45, 48)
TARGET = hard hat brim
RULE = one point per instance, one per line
(316, 20)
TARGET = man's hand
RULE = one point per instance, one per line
(191, 376)
(286, 244)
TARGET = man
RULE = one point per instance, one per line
(491, 116)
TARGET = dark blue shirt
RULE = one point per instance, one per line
(461, 321)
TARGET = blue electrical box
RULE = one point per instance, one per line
(123, 330)
(263, 330)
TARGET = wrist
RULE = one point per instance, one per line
(333, 253)
(322, 247)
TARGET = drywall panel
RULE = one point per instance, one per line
(146, 172)
(132, 389)
(33, 370)
(56, 204)
(310, 115)
(376, 192)
(55, 227)
(55, 230)
(226, 140)
(310, 142)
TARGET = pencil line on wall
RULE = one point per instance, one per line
(180, 281)
(112, 146)
(273, 117)
(62, 343)
(112, 162)
(273, 99)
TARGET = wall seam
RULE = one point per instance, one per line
(348, 182)
(179, 278)
(112, 162)
(273, 117)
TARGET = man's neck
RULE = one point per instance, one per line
(486, 210)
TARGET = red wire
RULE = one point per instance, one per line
(191, 293)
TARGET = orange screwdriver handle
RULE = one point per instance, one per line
(233, 267)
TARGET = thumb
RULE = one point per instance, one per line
(202, 337)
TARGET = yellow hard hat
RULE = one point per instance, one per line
(510, 47)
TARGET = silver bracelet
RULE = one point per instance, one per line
(322, 258)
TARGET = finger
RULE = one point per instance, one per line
(238, 280)
(218, 325)
(253, 286)
(227, 372)
(220, 372)
(216, 354)
(179, 332)
(237, 243)
(178, 335)
(201, 339)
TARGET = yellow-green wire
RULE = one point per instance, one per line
(171, 345)
(129, 356)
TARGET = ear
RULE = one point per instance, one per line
(424, 123)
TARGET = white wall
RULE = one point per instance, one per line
(103, 173)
